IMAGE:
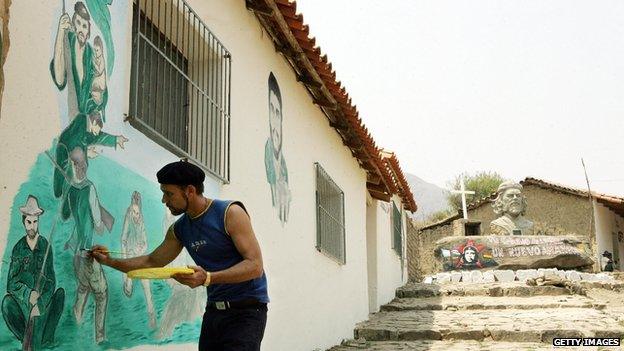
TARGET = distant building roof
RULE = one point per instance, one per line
(614, 203)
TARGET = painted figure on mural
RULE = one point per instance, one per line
(32, 306)
(510, 205)
(83, 132)
(5, 41)
(83, 205)
(274, 161)
(98, 87)
(73, 62)
(133, 244)
(470, 255)
(185, 304)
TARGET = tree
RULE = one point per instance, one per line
(482, 183)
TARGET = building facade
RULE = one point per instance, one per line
(554, 210)
(98, 95)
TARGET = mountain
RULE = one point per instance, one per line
(429, 197)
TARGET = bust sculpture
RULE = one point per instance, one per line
(510, 206)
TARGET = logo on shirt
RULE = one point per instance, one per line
(196, 245)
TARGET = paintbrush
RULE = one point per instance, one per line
(105, 252)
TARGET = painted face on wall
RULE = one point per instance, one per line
(275, 122)
(94, 126)
(82, 27)
(174, 198)
(512, 202)
(470, 255)
(31, 224)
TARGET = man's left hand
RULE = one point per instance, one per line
(194, 279)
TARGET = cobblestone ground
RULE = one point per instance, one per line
(510, 316)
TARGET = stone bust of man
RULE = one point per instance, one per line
(510, 206)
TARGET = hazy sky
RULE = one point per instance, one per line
(524, 88)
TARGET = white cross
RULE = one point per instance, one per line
(463, 193)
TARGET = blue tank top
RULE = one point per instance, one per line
(211, 247)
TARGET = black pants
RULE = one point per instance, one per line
(233, 329)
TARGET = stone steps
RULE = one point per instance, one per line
(491, 303)
(491, 316)
(511, 325)
(434, 345)
(419, 290)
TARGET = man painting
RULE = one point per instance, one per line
(219, 237)
(275, 164)
(510, 205)
(32, 304)
(82, 204)
(71, 45)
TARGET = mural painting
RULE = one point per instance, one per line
(5, 42)
(71, 201)
(468, 256)
(274, 161)
(134, 243)
(185, 304)
(32, 305)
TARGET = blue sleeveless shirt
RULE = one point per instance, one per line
(211, 247)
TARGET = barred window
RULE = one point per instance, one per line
(180, 84)
(330, 223)
(397, 230)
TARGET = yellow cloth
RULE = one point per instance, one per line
(158, 273)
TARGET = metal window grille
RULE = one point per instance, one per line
(180, 84)
(330, 218)
(397, 230)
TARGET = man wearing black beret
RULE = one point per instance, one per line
(219, 237)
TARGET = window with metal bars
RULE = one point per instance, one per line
(397, 230)
(180, 84)
(330, 218)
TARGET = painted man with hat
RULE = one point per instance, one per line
(219, 237)
(32, 296)
(510, 205)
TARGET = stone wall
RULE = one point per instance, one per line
(421, 246)
(552, 212)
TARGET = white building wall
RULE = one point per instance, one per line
(608, 224)
(315, 302)
(390, 271)
(619, 228)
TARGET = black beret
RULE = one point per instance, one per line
(180, 173)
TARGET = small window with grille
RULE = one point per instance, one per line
(397, 230)
(330, 221)
(180, 84)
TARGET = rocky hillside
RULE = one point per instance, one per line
(429, 197)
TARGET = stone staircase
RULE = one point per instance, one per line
(488, 316)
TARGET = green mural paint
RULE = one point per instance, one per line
(56, 296)
(274, 161)
(102, 18)
(127, 318)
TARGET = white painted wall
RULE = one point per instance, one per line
(315, 301)
(607, 223)
(372, 209)
(386, 273)
(619, 228)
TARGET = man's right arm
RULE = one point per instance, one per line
(161, 256)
